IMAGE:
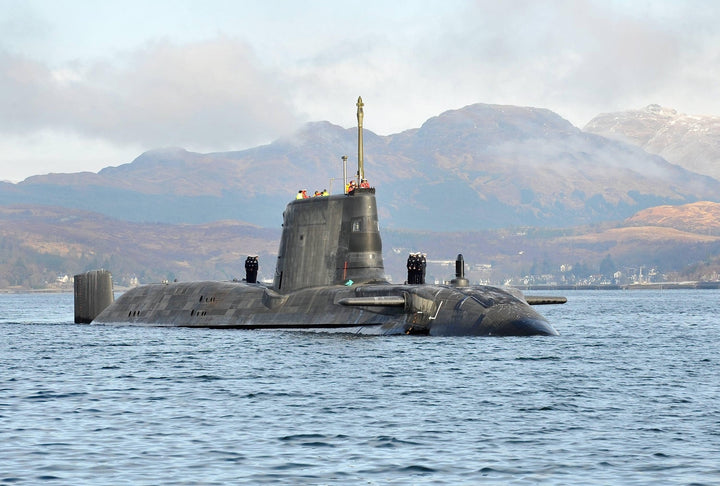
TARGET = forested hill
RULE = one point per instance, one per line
(40, 244)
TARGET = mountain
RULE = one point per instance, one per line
(690, 141)
(499, 166)
(482, 166)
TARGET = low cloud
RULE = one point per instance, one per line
(212, 94)
(578, 57)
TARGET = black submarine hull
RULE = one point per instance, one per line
(329, 276)
(375, 309)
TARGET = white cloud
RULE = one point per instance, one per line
(46, 151)
(237, 74)
(208, 94)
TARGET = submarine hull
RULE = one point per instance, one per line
(364, 309)
(329, 276)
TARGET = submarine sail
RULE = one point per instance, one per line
(329, 241)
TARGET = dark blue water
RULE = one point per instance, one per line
(628, 394)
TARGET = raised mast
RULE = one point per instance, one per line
(361, 167)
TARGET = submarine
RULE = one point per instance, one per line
(329, 277)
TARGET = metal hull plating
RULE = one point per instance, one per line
(365, 309)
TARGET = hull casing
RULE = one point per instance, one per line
(366, 309)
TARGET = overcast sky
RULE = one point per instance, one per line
(89, 84)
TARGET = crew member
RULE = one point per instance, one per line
(364, 184)
(299, 195)
(412, 269)
(351, 187)
(325, 192)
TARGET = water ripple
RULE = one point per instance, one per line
(623, 396)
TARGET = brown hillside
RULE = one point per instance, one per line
(39, 243)
(701, 217)
(642, 235)
(668, 249)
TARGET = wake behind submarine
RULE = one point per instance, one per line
(329, 277)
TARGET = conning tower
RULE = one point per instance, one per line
(331, 240)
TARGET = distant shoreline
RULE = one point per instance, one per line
(36, 291)
(647, 286)
(51, 290)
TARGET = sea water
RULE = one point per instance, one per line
(629, 393)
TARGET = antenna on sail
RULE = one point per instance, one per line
(361, 168)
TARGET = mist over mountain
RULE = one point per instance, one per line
(479, 167)
(690, 141)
